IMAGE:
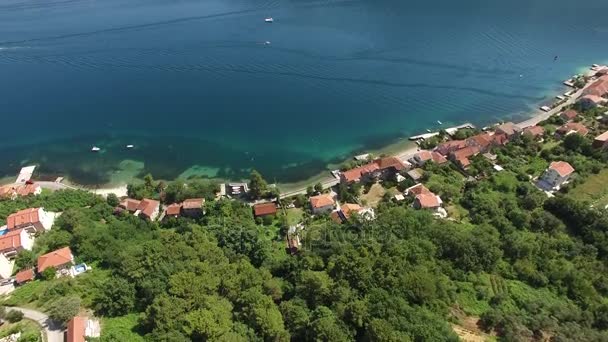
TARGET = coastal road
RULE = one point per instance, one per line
(533, 121)
(327, 183)
(53, 331)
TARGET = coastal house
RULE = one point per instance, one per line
(293, 244)
(570, 128)
(461, 157)
(430, 201)
(601, 141)
(568, 115)
(6, 267)
(450, 146)
(348, 209)
(193, 207)
(389, 167)
(365, 173)
(61, 259)
(173, 210)
(264, 209)
(321, 204)
(32, 219)
(509, 129)
(558, 173)
(148, 209)
(25, 276)
(416, 190)
(14, 241)
(129, 204)
(80, 329)
(534, 131)
(424, 156)
(598, 88)
(591, 101)
(13, 191)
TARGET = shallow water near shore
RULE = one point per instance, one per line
(198, 91)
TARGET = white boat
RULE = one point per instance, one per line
(269, 20)
(428, 130)
(559, 97)
(267, 42)
(545, 108)
(95, 149)
(439, 122)
(130, 146)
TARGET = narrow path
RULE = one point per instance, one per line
(53, 331)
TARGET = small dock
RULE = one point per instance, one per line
(25, 174)
(450, 131)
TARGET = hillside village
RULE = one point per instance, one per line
(502, 182)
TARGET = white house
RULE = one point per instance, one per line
(557, 174)
(32, 219)
(6, 267)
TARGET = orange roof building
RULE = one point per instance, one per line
(461, 157)
(427, 201)
(563, 168)
(534, 131)
(573, 127)
(79, 328)
(15, 241)
(24, 276)
(601, 140)
(193, 204)
(568, 115)
(148, 208)
(597, 88)
(322, 203)
(59, 259)
(33, 219)
(264, 209)
(417, 189)
(129, 204)
(173, 209)
(390, 163)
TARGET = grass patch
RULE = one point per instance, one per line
(373, 196)
(123, 328)
(30, 330)
(468, 300)
(594, 190)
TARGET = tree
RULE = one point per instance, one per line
(112, 200)
(116, 297)
(25, 259)
(14, 316)
(257, 185)
(64, 309)
(49, 273)
(310, 190)
(319, 187)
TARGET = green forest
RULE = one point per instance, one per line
(518, 264)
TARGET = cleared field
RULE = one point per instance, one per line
(594, 190)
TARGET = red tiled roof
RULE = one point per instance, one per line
(174, 209)
(11, 241)
(355, 174)
(130, 204)
(55, 258)
(534, 130)
(508, 128)
(438, 158)
(76, 329)
(349, 208)
(424, 155)
(321, 201)
(25, 276)
(390, 162)
(597, 88)
(483, 141)
(23, 217)
(573, 126)
(262, 209)
(429, 200)
(148, 206)
(27, 189)
(570, 114)
(417, 190)
(594, 98)
(450, 146)
(193, 203)
(563, 168)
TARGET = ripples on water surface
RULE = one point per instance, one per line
(194, 83)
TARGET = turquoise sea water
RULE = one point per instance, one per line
(193, 83)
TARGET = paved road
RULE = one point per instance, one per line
(54, 332)
(328, 183)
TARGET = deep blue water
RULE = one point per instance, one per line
(192, 82)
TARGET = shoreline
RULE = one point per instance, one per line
(402, 148)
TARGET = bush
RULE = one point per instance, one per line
(14, 316)
(64, 309)
(49, 273)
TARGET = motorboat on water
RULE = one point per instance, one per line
(130, 146)
(439, 122)
(269, 20)
(95, 149)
